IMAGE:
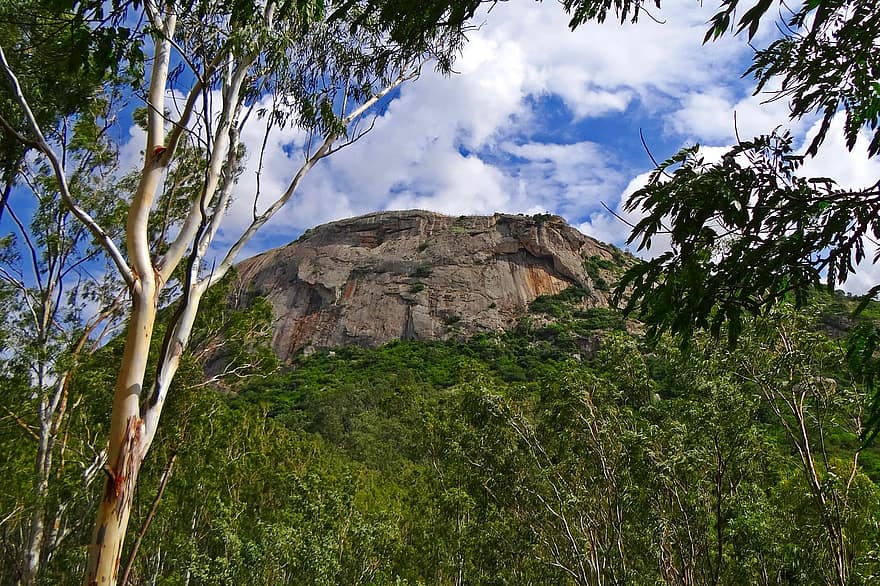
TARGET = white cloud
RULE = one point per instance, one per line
(479, 141)
(445, 142)
(615, 228)
(716, 115)
(473, 188)
(851, 169)
(131, 155)
(566, 178)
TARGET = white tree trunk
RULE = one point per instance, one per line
(127, 445)
(135, 413)
(126, 448)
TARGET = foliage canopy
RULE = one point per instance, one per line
(749, 230)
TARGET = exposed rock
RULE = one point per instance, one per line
(414, 275)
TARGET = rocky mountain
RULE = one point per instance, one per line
(419, 275)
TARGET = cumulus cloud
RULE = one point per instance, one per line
(852, 170)
(716, 115)
(478, 142)
(614, 228)
(484, 139)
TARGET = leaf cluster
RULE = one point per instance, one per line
(422, 27)
(750, 230)
(62, 52)
(825, 60)
(814, 77)
(745, 231)
(583, 11)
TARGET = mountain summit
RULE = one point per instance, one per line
(418, 275)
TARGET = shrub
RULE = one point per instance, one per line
(558, 305)
(421, 272)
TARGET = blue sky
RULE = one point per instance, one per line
(541, 119)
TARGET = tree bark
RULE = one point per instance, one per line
(126, 446)
(36, 529)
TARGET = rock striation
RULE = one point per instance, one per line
(415, 275)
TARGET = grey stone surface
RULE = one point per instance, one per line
(414, 275)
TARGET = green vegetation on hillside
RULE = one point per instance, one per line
(506, 460)
(513, 459)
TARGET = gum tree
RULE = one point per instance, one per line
(53, 310)
(214, 67)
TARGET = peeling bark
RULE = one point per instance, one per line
(115, 507)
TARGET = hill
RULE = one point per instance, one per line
(417, 275)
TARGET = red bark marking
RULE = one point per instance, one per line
(125, 468)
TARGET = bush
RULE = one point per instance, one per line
(600, 318)
(560, 304)
(421, 272)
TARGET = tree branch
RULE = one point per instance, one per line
(201, 83)
(324, 150)
(100, 234)
(166, 476)
(218, 155)
(154, 163)
(22, 424)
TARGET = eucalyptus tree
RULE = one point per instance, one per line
(55, 313)
(287, 62)
(797, 373)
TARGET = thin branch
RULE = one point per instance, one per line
(232, 254)
(190, 225)
(22, 424)
(323, 151)
(270, 123)
(100, 234)
(195, 92)
(15, 134)
(351, 141)
(400, 79)
(35, 263)
(619, 217)
(12, 515)
(650, 154)
(166, 476)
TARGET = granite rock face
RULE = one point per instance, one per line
(414, 275)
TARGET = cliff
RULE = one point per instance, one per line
(416, 275)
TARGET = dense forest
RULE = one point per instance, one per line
(565, 451)
(718, 431)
